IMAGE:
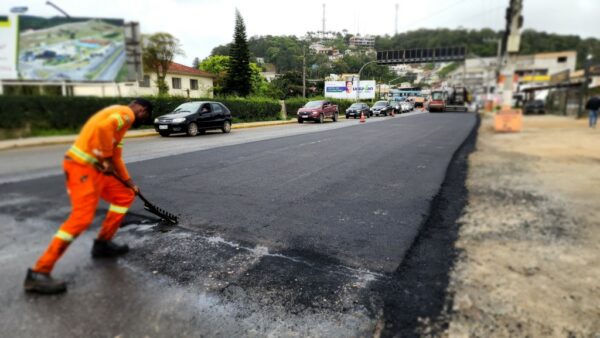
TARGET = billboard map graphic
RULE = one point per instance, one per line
(71, 49)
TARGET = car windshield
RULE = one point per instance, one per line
(356, 106)
(313, 104)
(380, 103)
(436, 96)
(187, 107)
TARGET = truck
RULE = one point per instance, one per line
(318, 111)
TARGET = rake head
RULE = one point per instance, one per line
(163, 214)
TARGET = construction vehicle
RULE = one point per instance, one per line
(458, 99)
(449, 99)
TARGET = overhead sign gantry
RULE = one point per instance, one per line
(421, 55)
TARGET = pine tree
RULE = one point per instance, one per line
(196, 63)
(238, 68)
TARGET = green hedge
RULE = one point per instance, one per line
(59, 112)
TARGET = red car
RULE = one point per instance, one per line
(318, 111)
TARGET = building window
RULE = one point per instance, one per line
(193, 84)
(176, 83)
(145, 82)
(562, 59)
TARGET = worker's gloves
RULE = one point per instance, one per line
(106, 166)
(133, 186)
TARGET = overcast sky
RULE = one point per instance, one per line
(201, 25)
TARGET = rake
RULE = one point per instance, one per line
(163, 214)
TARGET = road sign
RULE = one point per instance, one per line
(421, 55)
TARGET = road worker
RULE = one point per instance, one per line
(90, 165)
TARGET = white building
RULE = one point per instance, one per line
(362, 41)
(479, 74)
(183, 81)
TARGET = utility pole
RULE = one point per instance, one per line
(510, 47)
(304, 70)
(584, 86)
(323, 36)
(396, 25)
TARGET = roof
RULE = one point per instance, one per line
(177, 68)
(555, 54)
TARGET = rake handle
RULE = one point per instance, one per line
(127, 185)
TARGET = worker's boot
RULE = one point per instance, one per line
(108, 249)
(43, 283)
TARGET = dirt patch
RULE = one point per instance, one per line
(530, 234)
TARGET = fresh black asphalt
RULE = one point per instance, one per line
(357, 194)
(295, 235)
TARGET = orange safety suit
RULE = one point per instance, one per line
(101, 137)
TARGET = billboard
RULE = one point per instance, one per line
(349, 89)
(71, 49)
(8, 46)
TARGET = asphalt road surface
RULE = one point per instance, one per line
(280, 235)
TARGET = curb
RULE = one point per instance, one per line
(54, 140)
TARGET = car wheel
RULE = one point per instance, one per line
(347, 116)
(226, 127)
(192, 129)
(321, 118)
(300, 121)
(335, 117)
(164, 133)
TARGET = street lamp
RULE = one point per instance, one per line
(19, 10)
(358, 85)
(58, 9)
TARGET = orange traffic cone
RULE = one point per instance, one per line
(362, 117)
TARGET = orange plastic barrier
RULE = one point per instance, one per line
(507, 121)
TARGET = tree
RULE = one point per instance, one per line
(238, 68)
(218, 64)
(288, 84)
(159, 51)
(196, 63)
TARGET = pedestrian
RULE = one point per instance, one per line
(593, 105)
(90, 165)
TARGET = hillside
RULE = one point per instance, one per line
(284, 51)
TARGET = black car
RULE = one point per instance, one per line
(534, 107)
(356, 108)
(382, 108)
(194, 118)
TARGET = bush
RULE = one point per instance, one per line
(292, 105)
(64, 113)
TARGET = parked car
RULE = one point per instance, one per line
(318, 111)
(356, 109)
(397, 104)
(382, 108)
(194, 118)
(534, 107)
(406, 106)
